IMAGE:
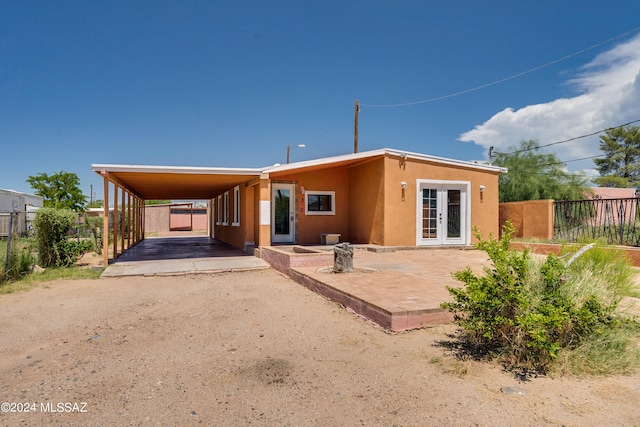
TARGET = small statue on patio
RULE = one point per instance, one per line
(342, 258)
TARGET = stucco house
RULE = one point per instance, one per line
(386, 197)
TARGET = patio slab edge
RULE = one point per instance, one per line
(395, 320)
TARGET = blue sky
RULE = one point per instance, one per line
(232, 83)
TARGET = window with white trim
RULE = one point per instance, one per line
(320, 202)
(219, 210)
(236, 206)
(226, 209)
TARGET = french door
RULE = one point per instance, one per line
(283, 213)
(442, 213)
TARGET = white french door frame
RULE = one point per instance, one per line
(442, 187)
(278, 236)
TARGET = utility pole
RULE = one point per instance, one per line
(355, 127)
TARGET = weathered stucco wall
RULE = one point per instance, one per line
(531, 219)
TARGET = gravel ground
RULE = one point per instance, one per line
(256, 348)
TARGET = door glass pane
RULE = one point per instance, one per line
(453, 214)
(429, 212)
(282, 201)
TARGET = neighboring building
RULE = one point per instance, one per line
(24, 204)
(614, 207)
(613, 193)
(386, 197)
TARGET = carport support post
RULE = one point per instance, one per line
(143, 218)
(122, 220)
(130, 221)
(115, 220)
(105, 224)
(138, 222)
(210, 218)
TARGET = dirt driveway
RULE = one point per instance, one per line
(256, 348)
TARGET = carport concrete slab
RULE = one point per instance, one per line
(170, 267)
(155, 256)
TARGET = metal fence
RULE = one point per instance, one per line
(617, 220)
(23, 224)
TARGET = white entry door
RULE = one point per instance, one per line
(442, 213)
(283, 213)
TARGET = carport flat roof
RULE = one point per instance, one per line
(174, 182)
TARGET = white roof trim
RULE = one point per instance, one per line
(382, 152)
(98, 168)
(175, 169)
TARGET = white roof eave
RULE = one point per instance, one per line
(98, 168)
(382, 152)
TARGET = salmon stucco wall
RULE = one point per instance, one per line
(531, 219)
(243, 233)
(196, 221)
(400, 209)
(366, 213)
(309, 227)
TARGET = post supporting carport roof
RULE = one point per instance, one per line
(132, 214)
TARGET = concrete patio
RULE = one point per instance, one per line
(396, 288)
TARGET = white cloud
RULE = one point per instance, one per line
(608, 94)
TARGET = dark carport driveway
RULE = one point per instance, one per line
(181, 255)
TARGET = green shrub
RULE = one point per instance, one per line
(94, 224)
(54, 246)
(528, 314)
(20, 260)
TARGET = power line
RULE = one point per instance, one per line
(531, 70)
(570, 139)
(561, 162)
(329, 129)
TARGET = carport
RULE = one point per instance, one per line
(127, 187)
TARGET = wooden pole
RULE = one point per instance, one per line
(355, 127)
(105, 224)
(122, 219)
(115, 221)
(130, 220)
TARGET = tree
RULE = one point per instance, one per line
(536, 176)
(621, 165)
(60, 190)
(96, 204)
(157, 202)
